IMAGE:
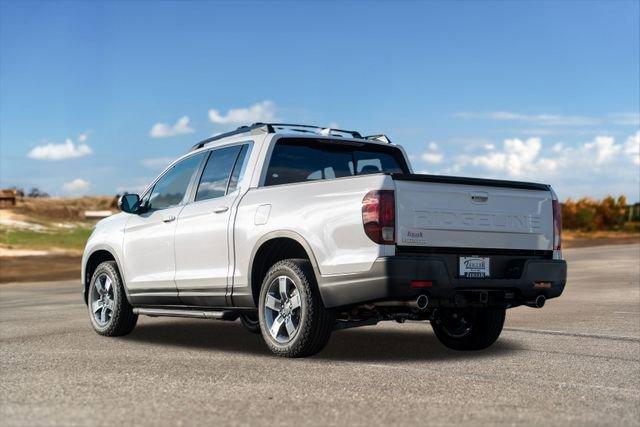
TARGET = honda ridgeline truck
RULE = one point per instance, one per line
(300, 231)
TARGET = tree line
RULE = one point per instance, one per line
(606, 214)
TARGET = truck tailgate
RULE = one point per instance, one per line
(434, 211)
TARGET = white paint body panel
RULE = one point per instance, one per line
(149, 253)
(108, 235)
(326, 214)
(201, 242)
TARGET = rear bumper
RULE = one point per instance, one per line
(390, 279)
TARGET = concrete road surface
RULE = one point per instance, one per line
(575, 362)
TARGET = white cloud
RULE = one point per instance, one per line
(83, 137)
(78, 185)
(542, 119)
(527, 158)
(594, 168)
(631, 119)
(264, 111)
(66, 150)
(604, 148)
(157, 162)
(632, 148)
(433, 155)
(621, 119)
(163, 130)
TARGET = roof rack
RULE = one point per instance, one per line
(380, 138)
(324, 131)
(274, 127)
(264, 127)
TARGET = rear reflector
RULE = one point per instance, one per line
(542, 285)
(421, 283)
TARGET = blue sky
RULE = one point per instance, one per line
(95, 97)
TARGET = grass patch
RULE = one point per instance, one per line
(68, 239)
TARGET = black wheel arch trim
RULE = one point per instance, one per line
(289, 234)
(86, 280)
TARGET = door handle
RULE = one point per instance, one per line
(221, 209)
(170, 218)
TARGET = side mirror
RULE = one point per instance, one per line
(129, 203)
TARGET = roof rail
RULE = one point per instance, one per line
(264, 127)
(274, 127)
(381, 138)
(325, 131)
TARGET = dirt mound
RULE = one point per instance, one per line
(40, 268)
(64, 209)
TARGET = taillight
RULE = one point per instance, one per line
(557, 225)
(379, 216)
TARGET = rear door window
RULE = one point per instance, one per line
(222, 172)
(238, 169)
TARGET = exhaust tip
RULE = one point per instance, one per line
(423, 301)
(540, 300)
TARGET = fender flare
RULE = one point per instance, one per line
(113, 253)
(290, 235)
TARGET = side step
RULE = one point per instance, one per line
(198, 314)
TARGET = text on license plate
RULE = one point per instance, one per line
(474, 266)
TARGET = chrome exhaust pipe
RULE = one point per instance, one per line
(537, 303)
(422, 302)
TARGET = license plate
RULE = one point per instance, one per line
(474, 266)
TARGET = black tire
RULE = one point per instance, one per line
(470, 329)
(122, 319)
(251, 322)
(315, 321)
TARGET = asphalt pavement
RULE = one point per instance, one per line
(574, 362)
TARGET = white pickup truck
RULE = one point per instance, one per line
(299, 231)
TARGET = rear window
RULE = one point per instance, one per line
(299, 160)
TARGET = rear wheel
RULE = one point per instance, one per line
(293, 320)
(468, 329)
(109, 311)
(251, 322)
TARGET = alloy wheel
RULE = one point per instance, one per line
(282, 309)
(102, 300)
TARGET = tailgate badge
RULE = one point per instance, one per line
(479, 197)
(415, 237)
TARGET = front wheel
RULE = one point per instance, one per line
(109, 311)
(293, 320)
(468, 329)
